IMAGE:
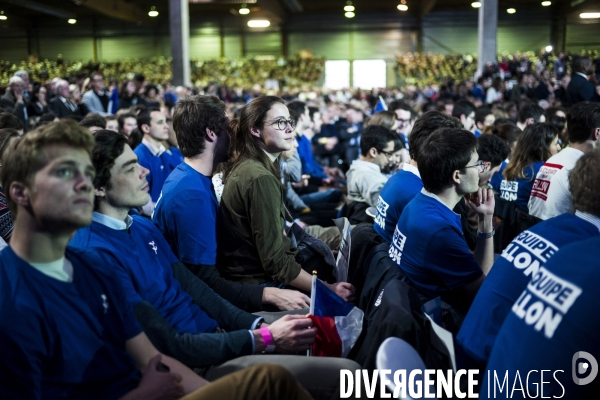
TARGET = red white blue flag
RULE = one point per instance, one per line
(338, 323)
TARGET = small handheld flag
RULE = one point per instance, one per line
(338, 323)
(380, 106)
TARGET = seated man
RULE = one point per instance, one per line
(365, 179)
(187, 211)
(153, 155)
(319, 176)
(428, 243)
(492, 151)
(524, 257)
(483, 118)
(67, 329)
(181, 315)
(401, 188)
(552, 331)
(550, 195)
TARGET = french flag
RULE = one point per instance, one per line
(338, 323)
(380, 106)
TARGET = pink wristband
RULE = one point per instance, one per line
(267, 338)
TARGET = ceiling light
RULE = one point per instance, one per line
(476, 4)
(348, 8)
(244, 10)
(402, 7)
(511, 10)
(589, 15)
(153, 12)
(258, 23)
(72, 21)
(546, 3)
(3, 17)
(548, 49)
(349, 14)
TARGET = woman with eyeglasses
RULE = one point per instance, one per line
(252, 244)
(537, 143)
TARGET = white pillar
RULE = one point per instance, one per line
(488, 30)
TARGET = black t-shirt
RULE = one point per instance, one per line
(103, 99)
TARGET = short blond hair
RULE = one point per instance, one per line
(25, 156)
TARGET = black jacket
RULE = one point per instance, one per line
(580, 89)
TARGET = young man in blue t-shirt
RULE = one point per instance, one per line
(192, 313)
(428, 243)
(186, 213)
(153, 155)
(548, 345)
(525, 255)
(67, 330)
(404, 185)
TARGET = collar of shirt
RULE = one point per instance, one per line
(434, 196)
(111, 222)
(592, 219)
(411, 168)
(155, 152)
(582, 74)
(271, 156)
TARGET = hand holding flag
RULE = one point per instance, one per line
(338, 323)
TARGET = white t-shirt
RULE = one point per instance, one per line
(550, 195)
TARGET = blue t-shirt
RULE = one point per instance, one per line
(142, 260)
(551, 323)
(497, 178)
(160, 167)
(519, 190)
(186, 215)
(397, 192)
(309, 165)
(429, 247)
(173, 157)
(509, 276)
(64, 340)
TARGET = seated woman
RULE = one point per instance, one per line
(537, 143)
(252, 244)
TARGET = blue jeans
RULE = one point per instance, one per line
(325, 196)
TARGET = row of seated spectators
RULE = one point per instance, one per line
(236, 247)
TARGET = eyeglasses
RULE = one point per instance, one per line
(403, 121)
(388, 154)
(480, 164)
(283, 123)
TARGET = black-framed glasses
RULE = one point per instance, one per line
(282, 123)
(388, 154)
(480, 164)
(403, 121)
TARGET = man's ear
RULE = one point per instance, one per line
(373, 152)
(211, 135)
(145, 128)
(100, 192)
(596, 134)
(456, 176)
(19, 193)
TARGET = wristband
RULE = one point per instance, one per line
(267, 338)
(486, 235)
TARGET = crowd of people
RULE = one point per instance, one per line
(159, 242)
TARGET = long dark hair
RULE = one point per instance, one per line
(243, 144)
(533, 146)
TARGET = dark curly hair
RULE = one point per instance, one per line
(108, 147)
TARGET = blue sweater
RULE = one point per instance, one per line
(510, 275)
